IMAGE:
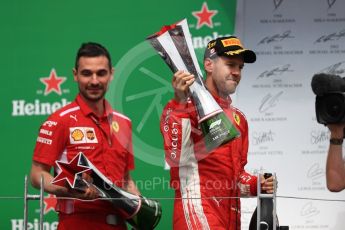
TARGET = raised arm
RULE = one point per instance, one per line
(335, 166)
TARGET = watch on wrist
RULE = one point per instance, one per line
(336, 141)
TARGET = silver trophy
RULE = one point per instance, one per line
(140, 212)
(174, 44)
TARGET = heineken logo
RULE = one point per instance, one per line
(200, 42)
(52, 83)
(204, 16)
(49, 203)
(18, 224)
(35, 108)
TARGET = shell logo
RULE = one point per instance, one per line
(77, 135)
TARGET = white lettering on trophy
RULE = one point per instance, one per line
(215, 123)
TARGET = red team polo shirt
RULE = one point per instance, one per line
(106, 141)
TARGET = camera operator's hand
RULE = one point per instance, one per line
(337, 130)
(335, 165)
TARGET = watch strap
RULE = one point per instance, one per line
(336, 141)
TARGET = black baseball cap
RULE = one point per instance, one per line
(229, 46)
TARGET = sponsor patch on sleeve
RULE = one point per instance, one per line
(44, 140)
(79, 135)
(49, 123)
(236, 118)
(46, 132)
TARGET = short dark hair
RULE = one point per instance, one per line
(92, 49)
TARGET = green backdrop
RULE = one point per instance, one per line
(40, 37)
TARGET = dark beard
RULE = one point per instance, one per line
(93, 99)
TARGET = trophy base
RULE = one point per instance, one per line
(148, 215)
(218, 130)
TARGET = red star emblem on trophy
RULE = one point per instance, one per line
(204, 16)
(69, 171)
(52, 83)
(49, 203)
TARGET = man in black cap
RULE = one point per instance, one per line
(220, 174)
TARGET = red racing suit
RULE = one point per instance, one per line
(214, 177)
(106, 141)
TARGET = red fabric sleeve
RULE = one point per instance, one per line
(51, 141)
(176, 119)
(251, 180)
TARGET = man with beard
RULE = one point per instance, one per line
(208, 184)
(91, 126)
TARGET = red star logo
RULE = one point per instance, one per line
(204, 16)
(52, 83)
(49, 203)
(68, 171)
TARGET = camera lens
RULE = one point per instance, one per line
(330, 108)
